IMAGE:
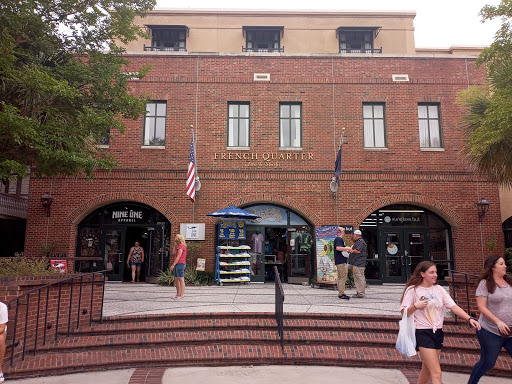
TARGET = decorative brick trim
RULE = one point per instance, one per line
(433, 205)
(107, 198)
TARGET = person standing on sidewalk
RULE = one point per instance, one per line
(494, 300)
(179, 265)
(358, 254)
(340, 260)
(4, 318)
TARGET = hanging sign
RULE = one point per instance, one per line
(59, 265)
(231, 229)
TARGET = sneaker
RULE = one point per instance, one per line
(358, 296)
(2, 378)
(345, 297)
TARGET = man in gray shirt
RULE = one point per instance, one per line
(357, 259)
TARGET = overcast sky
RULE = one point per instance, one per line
(438, 23)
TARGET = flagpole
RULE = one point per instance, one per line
(195, 174)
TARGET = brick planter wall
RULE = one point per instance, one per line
(43, 307)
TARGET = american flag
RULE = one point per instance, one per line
(191, 177)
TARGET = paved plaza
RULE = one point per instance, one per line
(123, 299)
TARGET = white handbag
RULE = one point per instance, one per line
(406, 340)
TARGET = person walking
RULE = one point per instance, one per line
(340, 260)
(494, 301)
(424, 299)
(179, 264)
(4, 318)
(357, 258)
(135, 260)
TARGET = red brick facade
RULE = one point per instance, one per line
(331, 90)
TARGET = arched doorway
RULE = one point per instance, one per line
(507, 231)
(400, 236)
(106, 235)
(283, 238)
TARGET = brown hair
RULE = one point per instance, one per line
(416, 277)
(487, 274)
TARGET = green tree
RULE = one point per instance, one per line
(62, 85)
(488, 119)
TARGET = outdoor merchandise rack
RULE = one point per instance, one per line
(232, 264)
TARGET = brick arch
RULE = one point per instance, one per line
(446, 212)
(274, 198)
(113, 197)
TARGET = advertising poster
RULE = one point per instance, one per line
(325, 268)
(201, 264)
(231, 229)
(59, 265)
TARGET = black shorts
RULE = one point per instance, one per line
(426, 338)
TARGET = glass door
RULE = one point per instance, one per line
(414, 250)
(255, 238)
(113, 252)
(392, 253)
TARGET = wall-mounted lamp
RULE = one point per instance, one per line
(483, 206)
(333, 186)
(46, 202)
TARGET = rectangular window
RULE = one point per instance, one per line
(374, 125)
(263, 40)
(356, 42)
(105, 138)
(429, 124)
(172, 39)
(290, 125)
(238, 124)
(154, 123)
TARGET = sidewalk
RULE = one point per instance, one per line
(135, 299)
(255, 375)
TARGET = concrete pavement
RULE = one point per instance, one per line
(135, 299)
(257, 375)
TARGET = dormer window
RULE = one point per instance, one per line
(263, 39)
(358, 39)
(168, 38)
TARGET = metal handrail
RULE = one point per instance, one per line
(279, 299)
(452, 273)
(18, 301)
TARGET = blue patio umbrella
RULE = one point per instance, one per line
(234, 213)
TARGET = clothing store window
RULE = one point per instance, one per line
(238, 124)
(374, 125)
(154, 123)
(429, 124)
(290, 125)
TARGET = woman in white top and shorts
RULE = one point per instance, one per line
(425, 300)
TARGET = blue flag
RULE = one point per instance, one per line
(337, 166)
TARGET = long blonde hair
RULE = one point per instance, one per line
(180, 239)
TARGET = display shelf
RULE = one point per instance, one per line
(228, 268)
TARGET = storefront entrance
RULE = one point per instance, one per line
(106, 236)
(282, 239)
(401, 236)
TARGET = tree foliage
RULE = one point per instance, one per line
(488, 119)
(62, 85)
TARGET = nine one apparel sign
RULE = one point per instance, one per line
(231, 229)
(127, 216)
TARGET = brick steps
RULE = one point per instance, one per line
(220, 354)
(241, 339)
(173, 337)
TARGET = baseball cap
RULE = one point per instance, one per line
(358, 232)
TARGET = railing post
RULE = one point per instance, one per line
(58, 311)
(467, 293)
(14, 333)
(279, 300)
(453, 293)
(70, 306)
(79, 302)
(46, 315)
(103, 297)
(37, 319)
(92, 297)
(26, 326)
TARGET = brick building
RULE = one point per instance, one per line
(269, 94)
